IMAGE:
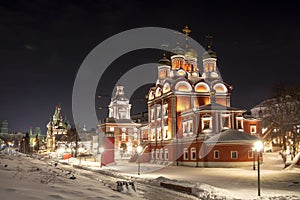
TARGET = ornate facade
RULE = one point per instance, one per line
(120, 126)
(188, 108)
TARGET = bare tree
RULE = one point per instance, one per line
(283, 110)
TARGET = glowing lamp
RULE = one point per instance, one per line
(139, 149)
(258, 146)
(101, 149)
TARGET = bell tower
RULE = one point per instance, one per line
(119, 107)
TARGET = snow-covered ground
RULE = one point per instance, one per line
(29, 178)
(25, 178)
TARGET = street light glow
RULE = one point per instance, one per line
(258, 146)
(139, 149)
(101, 149)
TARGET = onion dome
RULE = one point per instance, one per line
(191, 53)
(164, 61)
(177, 50)
(209, 53)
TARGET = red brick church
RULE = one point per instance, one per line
(191, 121)
(190, 118)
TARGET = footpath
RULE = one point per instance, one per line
(206, 183)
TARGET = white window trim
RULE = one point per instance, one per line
(237, 155)
(152, 134)
(185, 154)
(166, 135)
(161, 152)
(187, 131)
(250, 152)
(152, 114)
(184, 131)
(223, 120)
(158, 112)
(239, 118)
(206, 118)
(159, 134)
(166, 156)
(190, 127)
(157, 154)
(215, 154)
(193, 150)
(165, 109)
(255, 128)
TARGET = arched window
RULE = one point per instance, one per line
(183, 86)
(158, 92)
(122, 113)
(166, 88)
(151, 95)
(202, 87)
(220, 88)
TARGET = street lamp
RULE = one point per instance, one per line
(139, 151)
(101, 150)
(253, 157)
(258, 146)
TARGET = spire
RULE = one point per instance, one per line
(186, 31)
(164, 46)
(164, 60)
(209, 51)
(177, 50)
(209, 41)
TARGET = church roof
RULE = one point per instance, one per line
(232, 136)
(114, 120)
(216, 106)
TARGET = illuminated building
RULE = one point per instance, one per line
(190, 118)
(56, 128)
(120, 126)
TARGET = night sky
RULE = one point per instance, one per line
(43, 43)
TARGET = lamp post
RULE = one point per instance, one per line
(258, 145)
(101, 150)
(139, 151)
(253, 157)
(79, 151)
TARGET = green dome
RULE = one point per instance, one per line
(177, 51)
(191, 53)
(209, 54)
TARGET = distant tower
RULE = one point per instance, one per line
(4, 126)
(56, 126)
(119, 107)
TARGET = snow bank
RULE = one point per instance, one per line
(26, 178)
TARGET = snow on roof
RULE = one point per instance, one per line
(232, 136)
